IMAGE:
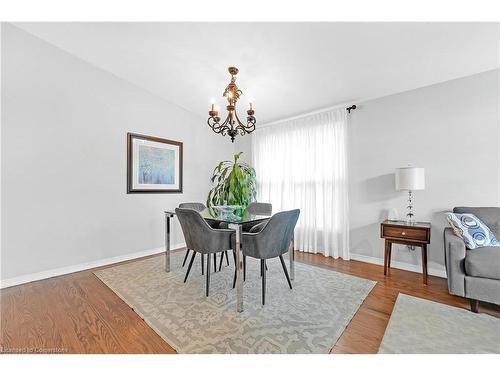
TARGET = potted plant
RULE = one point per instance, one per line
(235, 184)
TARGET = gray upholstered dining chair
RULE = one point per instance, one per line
(270, 240)
(259, 208)
(202, 238)
(255, 208)
(193, 205)
(214, 224)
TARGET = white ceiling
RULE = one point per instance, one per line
(288, 68)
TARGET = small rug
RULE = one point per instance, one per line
(419, 326)
(308, 319)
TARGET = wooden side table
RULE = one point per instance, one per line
(401, 232)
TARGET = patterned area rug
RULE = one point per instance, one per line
(308, 319)
(419, 326)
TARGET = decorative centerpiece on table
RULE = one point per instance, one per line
(234, 188)
(228, 212)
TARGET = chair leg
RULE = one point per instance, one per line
(286, 271)
(265, 265)
(202, 264)
(185, 258)
(244, 268)
(221, 259)
(227, 257)
(263, 271)
(207, 287)
(235, 269)
(474, 305)
(190, 265)
(215, 262)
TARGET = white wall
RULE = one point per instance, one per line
(452, 130)
(64, 126)
(244, 144)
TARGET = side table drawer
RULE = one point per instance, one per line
(418, 234)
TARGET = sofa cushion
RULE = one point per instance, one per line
(488, 215)
(483, 262)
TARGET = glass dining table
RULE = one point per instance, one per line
(236, 223)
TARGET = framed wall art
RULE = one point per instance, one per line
(154, 165)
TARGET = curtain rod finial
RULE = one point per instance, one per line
(349, 109)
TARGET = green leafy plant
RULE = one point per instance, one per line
(235, 184)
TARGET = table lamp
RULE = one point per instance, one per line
(410, 179)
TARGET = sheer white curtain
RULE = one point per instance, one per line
(302, 164)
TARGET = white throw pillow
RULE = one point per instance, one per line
(473, 231)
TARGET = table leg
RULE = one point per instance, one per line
(291, 255)
(424, 263)
(387, 254)
(239, 267)
(167, 243)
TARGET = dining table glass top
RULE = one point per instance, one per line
(240, 216)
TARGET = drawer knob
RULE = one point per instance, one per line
(403, 233)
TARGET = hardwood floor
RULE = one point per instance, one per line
(77, 313)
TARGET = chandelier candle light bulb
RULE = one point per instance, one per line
(232, 125)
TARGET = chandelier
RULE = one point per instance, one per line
(232, 125)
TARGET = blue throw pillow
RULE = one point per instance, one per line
(472, 230)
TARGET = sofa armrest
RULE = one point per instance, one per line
(454, 256)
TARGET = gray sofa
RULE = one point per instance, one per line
(474, 274)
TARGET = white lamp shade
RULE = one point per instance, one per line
(410, 178)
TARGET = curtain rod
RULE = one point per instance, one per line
(348, 109)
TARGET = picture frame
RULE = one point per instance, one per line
(154, 165)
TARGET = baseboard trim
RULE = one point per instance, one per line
(439, 272)
(82, 266)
